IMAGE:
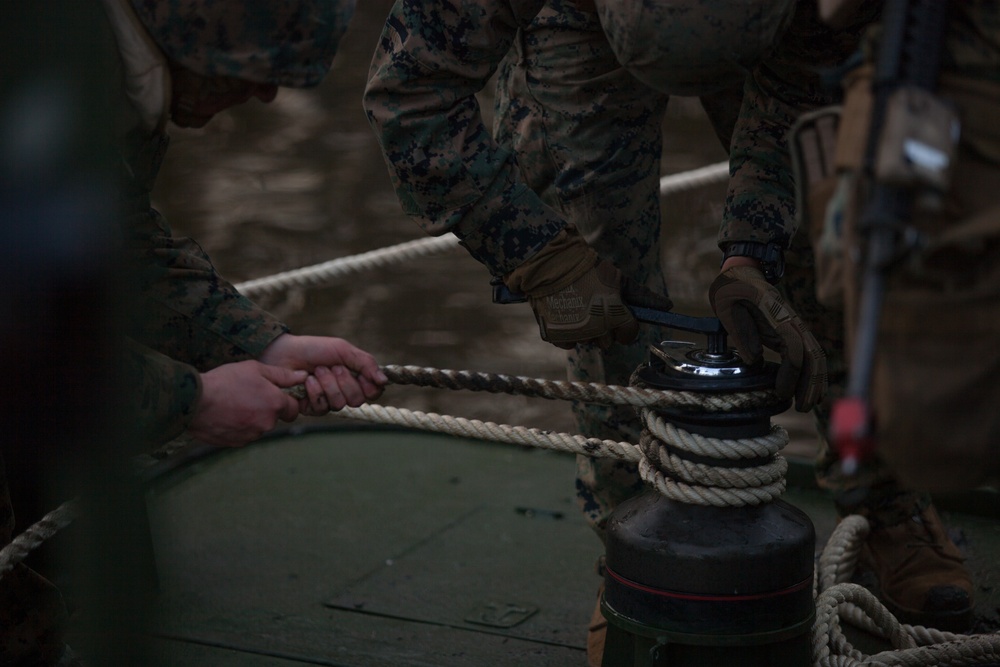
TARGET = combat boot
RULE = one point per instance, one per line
(921, 576)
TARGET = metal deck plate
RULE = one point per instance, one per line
(361, 548)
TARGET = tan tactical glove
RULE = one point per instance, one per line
(576, 295)
(754, 314)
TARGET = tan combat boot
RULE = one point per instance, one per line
(921, 576)
(597, 630)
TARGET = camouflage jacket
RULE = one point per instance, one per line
(433, 57)
(449, 173)
(181, 316)
(760, 204)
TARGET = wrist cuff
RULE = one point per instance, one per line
(770, 255)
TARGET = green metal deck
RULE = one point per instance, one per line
(366, 547)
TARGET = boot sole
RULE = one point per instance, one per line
(948, 621)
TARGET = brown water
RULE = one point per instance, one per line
(302, 181)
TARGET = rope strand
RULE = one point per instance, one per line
(36, 534)
(585, 392)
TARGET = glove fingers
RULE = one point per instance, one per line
(790, 373)
(813, 381)
(590, 310)
(806, 363)
(741, 325)
(755, 314)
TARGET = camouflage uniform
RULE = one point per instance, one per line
(920, 572)
(182, 317)
(192, 319)
(760, 205)
(452, 174)
(608, 189)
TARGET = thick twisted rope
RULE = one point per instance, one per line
(699, 470)
(319, 274)
(36, 534)
(698, 483)
(585, 392)
(838, 601)
(493, 432)
(713, 173)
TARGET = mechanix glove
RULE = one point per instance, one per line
(576, 296)
(755, 315)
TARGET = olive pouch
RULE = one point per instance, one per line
(819, 191)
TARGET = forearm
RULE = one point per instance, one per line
(447, 170)
(184, 308)
(161, 394)
(760, 204)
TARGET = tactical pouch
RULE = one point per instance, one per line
(919, 141)
(935, 388)
(819, 192)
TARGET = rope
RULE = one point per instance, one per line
(713, 173)
(699, 483)
(711, 483)
(317, 274)
(493, 432)
(585, 392)
(838, 601)
(36, 534)
(699, 470)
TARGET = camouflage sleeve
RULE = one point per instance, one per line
(188, 311)
(760, 203)
(163, 394)
(432, 58)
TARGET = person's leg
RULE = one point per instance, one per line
(918, 568)
(588, 140)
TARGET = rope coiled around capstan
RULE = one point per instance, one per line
(701, 470)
